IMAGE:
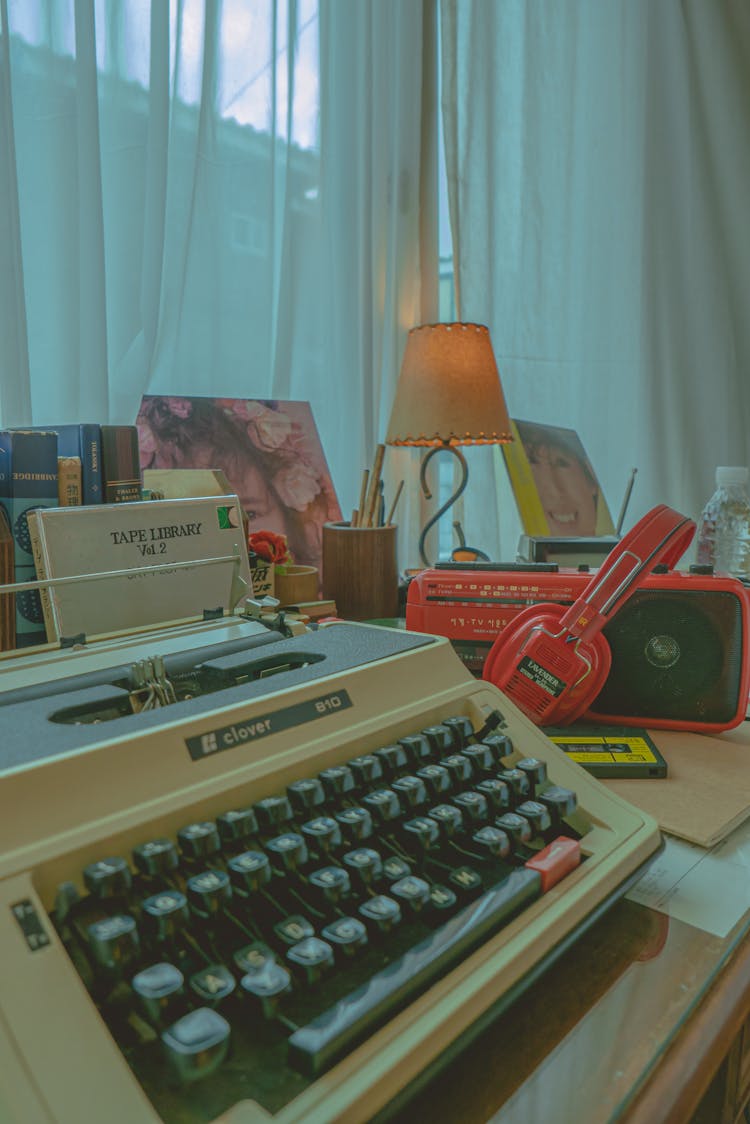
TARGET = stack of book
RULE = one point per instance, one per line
(63, 465)
(95, 463)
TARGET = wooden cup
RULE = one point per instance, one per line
(359, 570)
(293, 584)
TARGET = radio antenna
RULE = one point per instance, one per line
(626, 500)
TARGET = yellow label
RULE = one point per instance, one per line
(601, 750)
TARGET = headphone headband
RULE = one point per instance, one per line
(662, 535)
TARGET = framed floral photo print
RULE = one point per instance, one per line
(269, 450)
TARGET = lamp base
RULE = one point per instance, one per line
(427, 493)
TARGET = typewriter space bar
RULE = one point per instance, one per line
(315, 1047)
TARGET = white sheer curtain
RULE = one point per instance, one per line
(379, 190)
(215, 197)
(598, 160)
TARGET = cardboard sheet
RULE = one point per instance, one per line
(706, 793)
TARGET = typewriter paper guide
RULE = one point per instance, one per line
(87, 540)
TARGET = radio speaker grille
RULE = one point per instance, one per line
(675, 656)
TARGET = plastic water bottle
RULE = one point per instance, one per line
(723, 539)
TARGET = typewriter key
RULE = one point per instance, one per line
(114, 942)
(347, 935)
(159, 989)
(212, 984)
(197, 1044)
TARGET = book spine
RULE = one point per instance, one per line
(7, 576)
(8, 546)
(6, 472)
(33, 484)
(120, 463)
(41, 569)
(69, 481)
(90, 446)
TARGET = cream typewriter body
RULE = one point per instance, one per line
(278, 879)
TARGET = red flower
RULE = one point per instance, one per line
(269, 546)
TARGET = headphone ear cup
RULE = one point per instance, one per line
(574, 702)
(549, 675)
(500, 664)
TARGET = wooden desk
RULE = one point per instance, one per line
(642, 1021)
(645, 1020)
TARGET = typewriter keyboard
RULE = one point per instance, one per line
(286, 904)
(291, 928)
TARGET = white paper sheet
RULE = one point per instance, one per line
(709, 889)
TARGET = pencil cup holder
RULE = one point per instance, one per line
(359, 570)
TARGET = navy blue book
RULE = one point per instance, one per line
(83, 440)
(28, 478)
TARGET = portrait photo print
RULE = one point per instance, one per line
(269, 451)
(554, 483)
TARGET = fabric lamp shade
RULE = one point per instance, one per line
(449, 390)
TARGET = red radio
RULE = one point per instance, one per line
(679, 645)
(472, 603)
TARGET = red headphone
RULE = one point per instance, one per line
(552, 661)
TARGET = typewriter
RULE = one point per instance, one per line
(252, 877)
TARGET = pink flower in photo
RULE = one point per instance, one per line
(267, 429)
(180, 407)
(297, 485)
(147, 442)
(235, 407)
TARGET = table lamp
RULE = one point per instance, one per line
(448, 394)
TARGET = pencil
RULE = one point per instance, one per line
(396, 498)
(374, 491)
(362, 499)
